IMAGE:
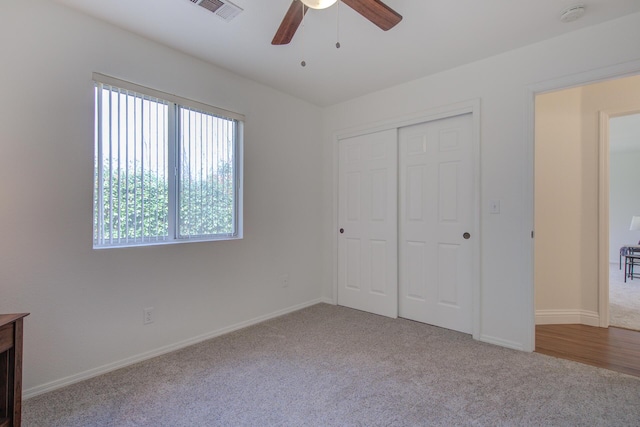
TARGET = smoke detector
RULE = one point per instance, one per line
(572, 13)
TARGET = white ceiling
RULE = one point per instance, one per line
(435, 35)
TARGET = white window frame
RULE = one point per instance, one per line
(175, 102)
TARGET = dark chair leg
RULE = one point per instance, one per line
(626, 265)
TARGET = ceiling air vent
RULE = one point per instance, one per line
(225, 10)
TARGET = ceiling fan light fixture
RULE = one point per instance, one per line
(318, 4)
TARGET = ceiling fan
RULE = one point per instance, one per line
(374, 10)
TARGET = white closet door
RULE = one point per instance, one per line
(368, 223)
(436, 211)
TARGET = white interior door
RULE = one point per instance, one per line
(368, 222)
(436, 210)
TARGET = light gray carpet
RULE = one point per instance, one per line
(624, 300)
(333, 366)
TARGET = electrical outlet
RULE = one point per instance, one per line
(147, 315)
(284, 279)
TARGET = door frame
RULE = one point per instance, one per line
(465, 107)
(603, 208)
(626, 69)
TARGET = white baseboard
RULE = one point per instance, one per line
(81, 376)
(328, 300)
(567, 317)
(501, 342)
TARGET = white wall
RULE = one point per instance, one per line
(501, 82)
(624, 200)
(86, 305)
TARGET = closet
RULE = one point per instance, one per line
(406, 218)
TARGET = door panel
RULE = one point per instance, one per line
(436, 209)
(367, 214)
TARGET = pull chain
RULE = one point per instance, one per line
(338, 25)
(303, 63)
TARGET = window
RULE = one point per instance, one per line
(167, 169)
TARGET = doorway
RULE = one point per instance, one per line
(571, 249)
(621, 137)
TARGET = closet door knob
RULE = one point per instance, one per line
(466, 235)
(342, 231)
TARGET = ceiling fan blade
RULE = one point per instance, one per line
(290, 23)
(376, 11)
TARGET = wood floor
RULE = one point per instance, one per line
(611, 348)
